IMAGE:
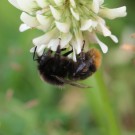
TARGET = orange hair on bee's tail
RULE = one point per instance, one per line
(96, 57)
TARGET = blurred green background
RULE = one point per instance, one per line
(29, 106)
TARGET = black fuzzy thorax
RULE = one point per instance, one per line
(65, 68)
(55, 67)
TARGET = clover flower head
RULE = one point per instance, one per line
(72, 21)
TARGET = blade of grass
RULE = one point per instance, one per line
(98, 98)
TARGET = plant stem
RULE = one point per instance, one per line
(99, 101)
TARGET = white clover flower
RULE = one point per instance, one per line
(73, 21)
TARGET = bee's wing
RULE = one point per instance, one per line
(71, 82)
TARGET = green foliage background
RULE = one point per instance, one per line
(29, 106)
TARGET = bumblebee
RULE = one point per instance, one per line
(58, 69)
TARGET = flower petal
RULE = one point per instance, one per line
(14, 3)
(32, 49)
(114, 38)
(44, 20)
(27, 5)
(101, 2)
(65, 39)
(106, 32)
(63, 27)
(102, 45)
(74, 54)
(56, 14)
(73, 4)
(23, 27)
(88, 25)
(53, 44)
(113, 13)
(44, 39)
(96, 6)
(42, 3)
(58, 2)
(75, 14)
(79, 40)
(29, 20)
(40, 49)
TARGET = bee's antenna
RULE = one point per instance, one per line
(83, 45)
(59, 41)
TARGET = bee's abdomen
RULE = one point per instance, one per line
(53, 68)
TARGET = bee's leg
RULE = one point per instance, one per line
(48, 53)
(67, 53)
(58, 51)
(34, 54)
(63, 49)
(83, 46)
(80, 61)
(81, 56)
